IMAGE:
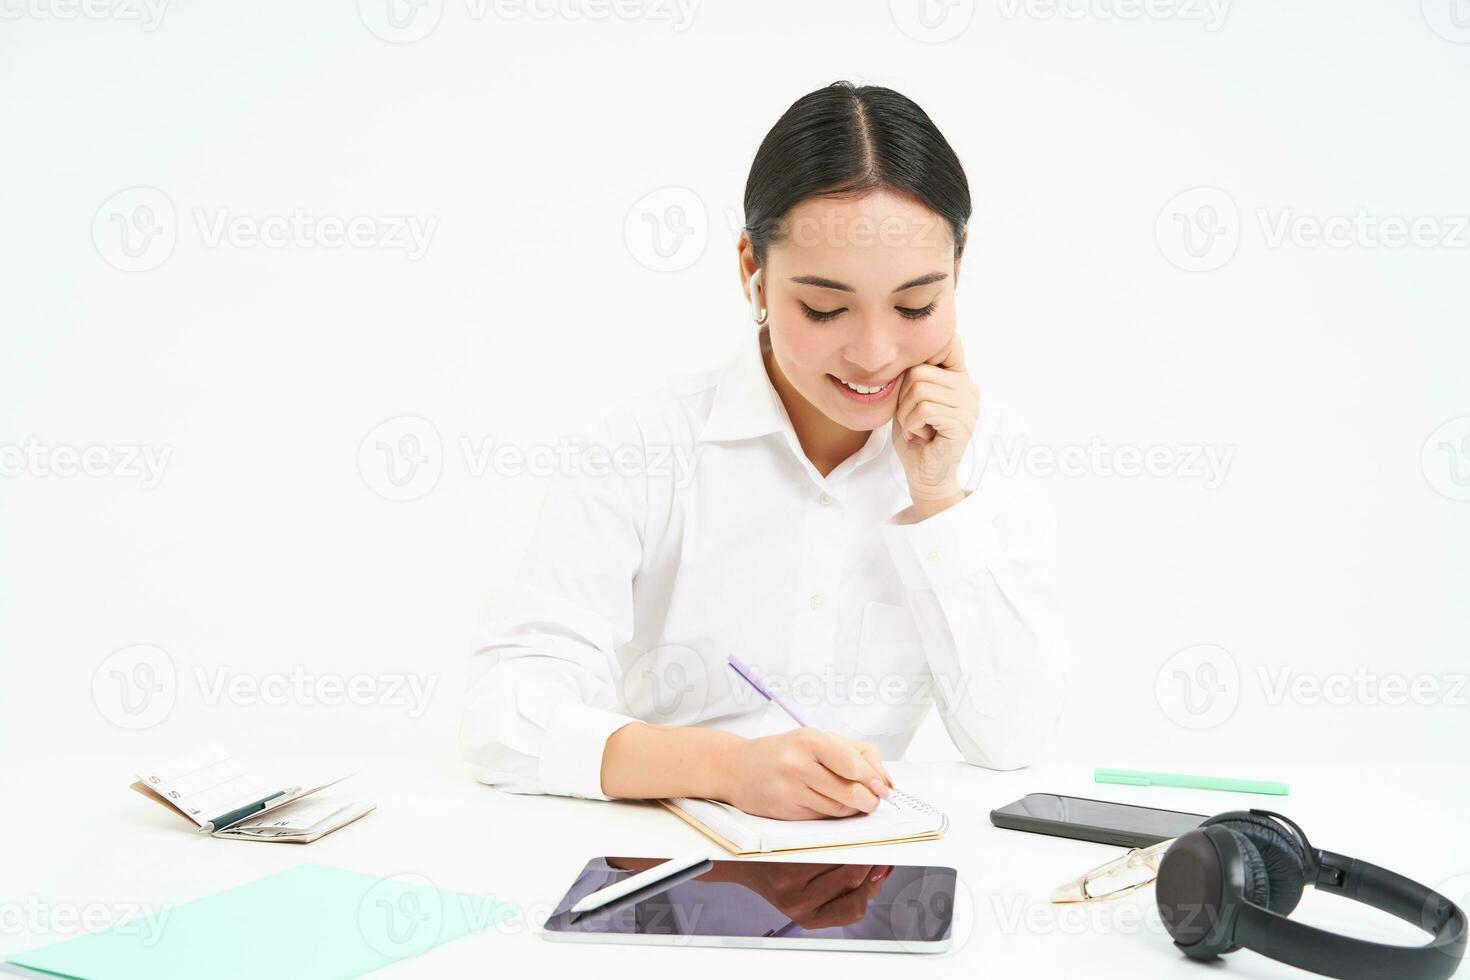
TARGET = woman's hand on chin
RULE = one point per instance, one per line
(938, 409)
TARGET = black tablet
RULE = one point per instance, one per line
(771, 904)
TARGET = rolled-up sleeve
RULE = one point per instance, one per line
(544, 691)
(978, 579)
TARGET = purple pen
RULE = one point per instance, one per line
(751, 678)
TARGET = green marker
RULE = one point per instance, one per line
(1129, 777)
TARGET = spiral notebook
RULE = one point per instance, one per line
(907, 818)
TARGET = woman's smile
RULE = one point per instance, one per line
(864, 394)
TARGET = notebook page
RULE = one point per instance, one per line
(206, 783)
(907, 815)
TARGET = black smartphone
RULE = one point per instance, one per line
(1096, 820)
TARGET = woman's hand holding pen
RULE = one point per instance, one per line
(938, 408)
(804, 774)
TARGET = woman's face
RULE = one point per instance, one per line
(858, 290)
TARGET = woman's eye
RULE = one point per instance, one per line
(910, 313)
(820, 315)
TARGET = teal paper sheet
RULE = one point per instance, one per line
(309, 921)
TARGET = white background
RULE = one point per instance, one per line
(540, 146)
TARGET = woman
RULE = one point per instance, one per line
(836, 527)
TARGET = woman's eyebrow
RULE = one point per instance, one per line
(923, 281)
(825, 283)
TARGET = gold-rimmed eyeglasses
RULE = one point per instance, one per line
(1119, 877)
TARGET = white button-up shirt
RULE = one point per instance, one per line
(695, 528)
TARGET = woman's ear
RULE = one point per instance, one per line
(745, 253)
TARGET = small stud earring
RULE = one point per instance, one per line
(758, 313)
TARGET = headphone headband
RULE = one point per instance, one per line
(1332, 954)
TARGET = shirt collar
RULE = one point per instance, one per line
(746, 405)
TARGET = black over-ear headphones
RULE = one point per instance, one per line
(1232, 882)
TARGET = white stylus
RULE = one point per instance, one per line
(632, 883)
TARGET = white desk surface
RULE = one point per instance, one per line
(84, 844)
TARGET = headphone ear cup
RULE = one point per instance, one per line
(1257, 878)
(1281, 855)
(1189, 892)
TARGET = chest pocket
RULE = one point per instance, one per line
(888, 639)
(886, 678)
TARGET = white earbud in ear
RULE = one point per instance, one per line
(758, 311)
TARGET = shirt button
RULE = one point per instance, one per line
(824, 499)
(816, 600)
(934, 554)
